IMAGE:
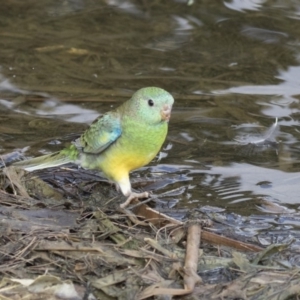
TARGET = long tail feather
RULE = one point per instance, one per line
(46, 161)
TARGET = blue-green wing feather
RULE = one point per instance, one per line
(101, 134)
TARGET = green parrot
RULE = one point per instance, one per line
(119, 141)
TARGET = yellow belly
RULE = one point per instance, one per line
(116, 165)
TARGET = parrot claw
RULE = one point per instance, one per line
(134, 196)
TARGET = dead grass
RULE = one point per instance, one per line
(56, 246)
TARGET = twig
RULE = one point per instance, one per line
(191, 259)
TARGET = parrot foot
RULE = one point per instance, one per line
(134, 196)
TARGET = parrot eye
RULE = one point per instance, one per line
(150, 102)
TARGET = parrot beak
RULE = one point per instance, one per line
(166, 112)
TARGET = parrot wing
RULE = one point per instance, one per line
(104, 131)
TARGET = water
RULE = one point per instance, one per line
(232, 66)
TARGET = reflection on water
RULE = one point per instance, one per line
(244, 5)
(286, 89)
(233, 68)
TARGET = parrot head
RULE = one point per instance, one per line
(152, 105)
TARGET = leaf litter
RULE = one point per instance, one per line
(63, 236)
